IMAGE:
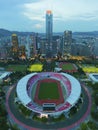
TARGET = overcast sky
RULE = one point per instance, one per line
(29, 15)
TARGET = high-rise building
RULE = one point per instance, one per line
(22, 52)
(15, 47)
(67, 40)
(49, 31)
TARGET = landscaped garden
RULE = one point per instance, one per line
(92, 123)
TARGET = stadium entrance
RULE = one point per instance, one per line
(49, 106)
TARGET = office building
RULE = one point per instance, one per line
(67, 40)
(15, 46)
(49, 31)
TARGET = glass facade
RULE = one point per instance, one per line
(49, 31)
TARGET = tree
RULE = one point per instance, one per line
(92, 125)
(15, 127)
(3, 119)
(96, 100)
(84, 126)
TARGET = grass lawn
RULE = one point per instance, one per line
(35, 67)
(48, 91)
(90, 69)
(67, 67)
(16, 68)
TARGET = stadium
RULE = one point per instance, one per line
(48, 93)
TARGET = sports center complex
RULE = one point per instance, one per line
(48, 93)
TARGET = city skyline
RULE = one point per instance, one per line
(29, 15)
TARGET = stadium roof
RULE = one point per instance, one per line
(72, 98)
(92, 77)
(22, 89)
(4, 74)
(75, 89)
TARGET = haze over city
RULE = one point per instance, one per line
(29, 15)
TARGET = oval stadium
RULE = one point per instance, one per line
(48, 93)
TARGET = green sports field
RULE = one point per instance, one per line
(48, 91)
(68, 67)
(16, 67)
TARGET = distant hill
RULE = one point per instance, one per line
(93, 33)
(4, 32)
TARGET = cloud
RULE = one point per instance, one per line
(62, 10)
(34, 16)
(87, 17)
(38, 26)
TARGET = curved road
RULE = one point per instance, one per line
(29, 124)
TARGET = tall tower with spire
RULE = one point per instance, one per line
(49, 31)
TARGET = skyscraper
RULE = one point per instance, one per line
(15, 42)
(49, 29)
(67, 41)
(15, 46)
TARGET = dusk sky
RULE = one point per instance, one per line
(29, 15)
